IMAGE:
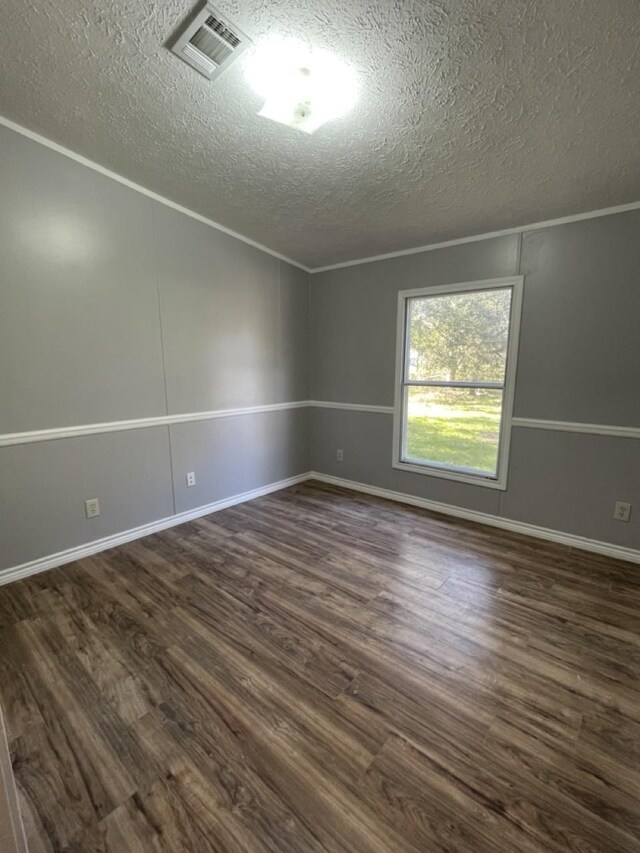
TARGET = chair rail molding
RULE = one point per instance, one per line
(55, 433)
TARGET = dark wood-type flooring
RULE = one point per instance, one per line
(320, 670)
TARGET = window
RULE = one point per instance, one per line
(457, 348)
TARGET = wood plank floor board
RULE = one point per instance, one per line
(310, 718)
(485, 794)
(611, 796)
(319, 670)
(435, 809)
(20, 708)
(237, 787)
(313, 661)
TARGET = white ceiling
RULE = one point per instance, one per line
(474, 115)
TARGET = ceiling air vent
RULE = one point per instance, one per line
(210, 42)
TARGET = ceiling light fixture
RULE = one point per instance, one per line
(303, 88)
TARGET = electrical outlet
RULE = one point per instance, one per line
(622, 511)
(339, 455)
(191, 479)
(92, 508)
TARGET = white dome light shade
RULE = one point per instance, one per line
(303, 88)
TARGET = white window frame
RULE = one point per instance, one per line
(433, 469)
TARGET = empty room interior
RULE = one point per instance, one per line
(320, 426)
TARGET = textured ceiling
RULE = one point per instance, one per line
(474, 115)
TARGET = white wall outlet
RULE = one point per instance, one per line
(92, 508)
(339, 455)
(622, 511)
(191, 479)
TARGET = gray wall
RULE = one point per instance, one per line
(354, 311)
(116, 307)
(580, 339)
(579, 361)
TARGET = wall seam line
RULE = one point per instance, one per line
(518, 268)
(156, 244)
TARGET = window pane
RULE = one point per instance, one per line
(453, 427)
(460, 338)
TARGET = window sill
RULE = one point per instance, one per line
(459, 476)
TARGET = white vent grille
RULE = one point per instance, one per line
(210, 43)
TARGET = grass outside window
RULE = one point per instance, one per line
(454, 427)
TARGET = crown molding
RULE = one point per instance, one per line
(521, 229)
(84, 161)
(489, 235)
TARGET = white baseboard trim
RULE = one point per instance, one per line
(86, 550)
(569, 539)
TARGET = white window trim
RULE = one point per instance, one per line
(433, 470)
